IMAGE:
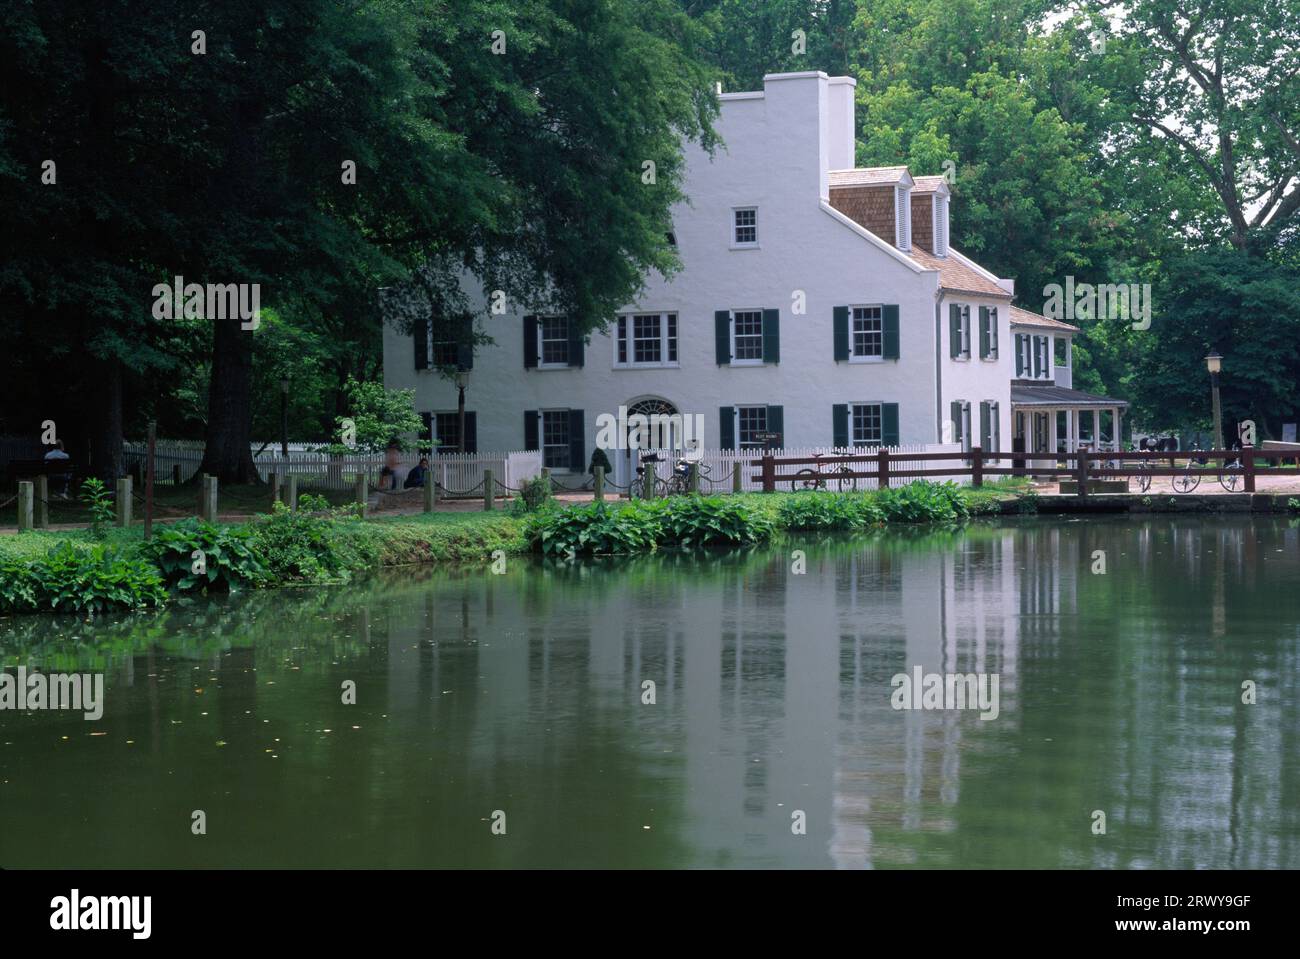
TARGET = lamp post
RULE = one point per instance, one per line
(284, 417)
(462, 381)
(1214, 363)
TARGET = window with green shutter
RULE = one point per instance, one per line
(984, 333)
(530, 342)
(840, 328)
(840, 426)
(727, 427)
(771, 336)
(889, 321)
(889, 424)
(722, 337)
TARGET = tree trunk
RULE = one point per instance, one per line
(106, 436)
(227, 453)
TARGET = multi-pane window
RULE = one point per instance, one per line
(868, 334)
(553, 332)
(866, 424)
(746, 227)
(555, 438)
(751, 421)
(646, 339)
(446, 430)
(445, 354)
(747, 335)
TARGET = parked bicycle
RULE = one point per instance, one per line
(1232, 475)
(1188, 481)
(812, 477)
(678, 482)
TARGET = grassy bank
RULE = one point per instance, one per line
(95, 570)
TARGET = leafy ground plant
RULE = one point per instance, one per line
(195, 555)
(99, 502)
(71, 580)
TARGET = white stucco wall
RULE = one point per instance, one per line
(778, 146)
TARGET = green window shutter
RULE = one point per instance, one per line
(471, 432)
(427, 420)
(721, 338)
(727, 428)
(993, 332)
(954, 330)
(577, 348)
(530, 342)
(1038, 356)
(984, 332)
(577, 442)
(841, 327)
(954, 411)
(1020, 356)
(889, 324)
(840, 425)
(985, 438)
(531, 431)
(888, 424)
(771, 336)
(465, 349)
(776, 421)
(421, 334)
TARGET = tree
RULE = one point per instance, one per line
(377, 418)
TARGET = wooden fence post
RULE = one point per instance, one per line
(176, 474)
(361, 493)
(693, 477)
(598, 483)
(293, 492)
(430, 491)
(150, 477)
(123, 502)
(274, 478)
(203, 486)
(1248, 465)
(490, 491)
(42, 505)
(882, 468)
(769, 473)
(1082, 472)
(976, 467)
(26, 493)
(736, 485)
(210, 498)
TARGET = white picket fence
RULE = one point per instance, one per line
(455, 473)
(716, 465)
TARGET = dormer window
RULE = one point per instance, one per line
(903, 217)
(940, 225)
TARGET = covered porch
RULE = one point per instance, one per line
(1056, 419)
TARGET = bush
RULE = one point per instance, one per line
(70, 580)
(534, 494)
(712, 521)
(922, 502)
(298, 546)
(813, 510)
(598, 528)
(99, 502)
(227, 559)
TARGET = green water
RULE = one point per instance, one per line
(1119, 691)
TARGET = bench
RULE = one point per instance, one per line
(26, 469)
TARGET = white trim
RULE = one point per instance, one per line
(630, 342)
(731, 329)
(747, 95)
(541, 352)
(903, 217)
(749, 244)
(852, 438)
(869, 357)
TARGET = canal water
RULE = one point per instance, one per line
(503, 720)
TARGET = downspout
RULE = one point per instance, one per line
(938, 364)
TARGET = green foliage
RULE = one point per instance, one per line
(711, 521)
(1293, 504)
(598, 528)
(71, 580)
(313, 503)
(300, 547)
(228, 558)
(534, 494)
(380, 416)
(99, 501)
(601, 459)
(815, 510)
(922, 502)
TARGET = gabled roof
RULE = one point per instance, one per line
(956, 277)
(1023, 317)
(871, 176)
(931, 184)
(1059, 396)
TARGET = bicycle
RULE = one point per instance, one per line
(1231, 475)
(1188, 481)
(1142, 471)
(680, 483)
(812, 477)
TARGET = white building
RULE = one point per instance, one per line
(817, 301)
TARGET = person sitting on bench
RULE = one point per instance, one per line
(416, 478)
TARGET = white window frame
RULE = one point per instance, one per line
(541, 341)
(940, 225)
(853, 427)
(735, 361)
(737, 244)
(903, 217)
(625, 333)
(541, 436)
(736, 424)
(854, 355)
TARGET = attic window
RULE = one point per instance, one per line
(940, 225)
(903, 217)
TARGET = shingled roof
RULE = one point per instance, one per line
(1023, 317)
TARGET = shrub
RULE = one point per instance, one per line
(226, 557)
(100, 504)
(815, 510)
(70, 580)
(922, 502)
(712, 521)
(534, 494)
(313, 503)
(1293, 504)
(598, 528)
(299, 546)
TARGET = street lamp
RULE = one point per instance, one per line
(462, 381)
(284, 417)
(1214, 363)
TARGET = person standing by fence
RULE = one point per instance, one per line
(65, 479)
